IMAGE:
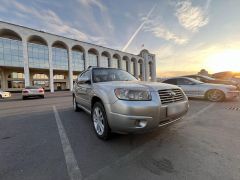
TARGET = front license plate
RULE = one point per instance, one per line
(175, 109)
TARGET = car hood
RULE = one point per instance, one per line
(150, 86)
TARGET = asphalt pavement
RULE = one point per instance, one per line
(45, 139)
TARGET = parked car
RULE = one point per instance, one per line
(212, 92)
(32, 91)
(118, 102)
(207, 79)
(4, 94)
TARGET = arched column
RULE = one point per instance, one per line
(136, 68)
(70, 69)
(25, 60)
(50, 68)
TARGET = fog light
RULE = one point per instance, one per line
(141, 123)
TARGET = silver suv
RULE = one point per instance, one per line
(118, 102)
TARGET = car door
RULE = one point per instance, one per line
(189, 87)
(83, 90)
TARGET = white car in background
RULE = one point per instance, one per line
(198, 89)
(4, 94)
(32, 91)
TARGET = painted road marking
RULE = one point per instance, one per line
(138, 151)
(71, 162)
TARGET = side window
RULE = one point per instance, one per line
(171, 81)
(182, 81)
(81, 75)
(88, 74)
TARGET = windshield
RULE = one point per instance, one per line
(106, 74)
(32, 87)
(196, 81)
(207, 77)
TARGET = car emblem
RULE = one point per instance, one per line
(172, 93)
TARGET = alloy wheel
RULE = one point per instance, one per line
(98, 120)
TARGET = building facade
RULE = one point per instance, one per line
(32, 57)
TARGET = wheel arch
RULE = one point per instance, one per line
(205, 95)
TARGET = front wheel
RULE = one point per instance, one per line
(100, 121)
(215, 95)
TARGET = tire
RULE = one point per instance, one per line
(100, 122)
(75, 105)
(215, 95)
(42, 97)
(24, 98)
(1, 97)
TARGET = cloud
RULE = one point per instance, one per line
(89, 3)
(51, 22)
(156, 26)
(191, 17)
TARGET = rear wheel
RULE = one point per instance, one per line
(75, 105)
(23, 98)
(100, 122)
(215, 95)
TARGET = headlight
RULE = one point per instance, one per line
(132, 95)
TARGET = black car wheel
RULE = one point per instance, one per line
(215, 95)
(100, 122)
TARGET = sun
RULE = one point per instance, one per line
(227, 60)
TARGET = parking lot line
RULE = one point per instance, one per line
(71, 162)
(138, 151)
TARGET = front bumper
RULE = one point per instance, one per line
(140, 116)
(232, 94)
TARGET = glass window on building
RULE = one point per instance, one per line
(132, 68)
(115, 63)
(16, 80)
(40, 76)
(77, 60)
(104, 61)
(58, 76)
(92, 58)
(38, 56)
(140, 70)
(59, 58)
(11, 52)
(124, 65)
(16, 75)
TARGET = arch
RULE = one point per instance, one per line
(37, 40)
(106, 54)
(93, 51)
(10, 34)
(93, 57)
(60, 44)
(78, 58)
(60, 54)
(116, 61)
(78, 48)
(125, 63)
(105, 59)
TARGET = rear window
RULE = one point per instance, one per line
(32, 87)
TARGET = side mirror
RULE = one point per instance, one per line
(84, 80)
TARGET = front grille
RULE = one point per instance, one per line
(170, 95)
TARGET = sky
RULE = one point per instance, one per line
(185, 35)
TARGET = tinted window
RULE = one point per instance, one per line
(171, 81)
(85, 74)
(108, 74)
(183, 81)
